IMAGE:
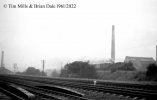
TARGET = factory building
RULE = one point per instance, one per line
(140, 63)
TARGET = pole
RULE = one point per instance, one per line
(2, 59)
(15, 67)
(43, 66)
(113, 44)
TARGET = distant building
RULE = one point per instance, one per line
(140, 63)
(102, 65)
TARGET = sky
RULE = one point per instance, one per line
(61, 35)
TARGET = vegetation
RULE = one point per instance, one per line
(149, 75)
(109, 71)
(120, 66)
(118, 75)
(140, 76)
(55, 73)
(79, 69)
(32, 71)
(115, 71)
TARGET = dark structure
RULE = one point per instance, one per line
(2, 59)
(113, 44)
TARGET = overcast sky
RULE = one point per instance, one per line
(28, 36)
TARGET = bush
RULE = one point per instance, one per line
(79, 69)
(151, 73)
(121, 67)
(32, 71)
(151, 70)
(140, 76)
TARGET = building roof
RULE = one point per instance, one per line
(140, 63)
(139, 58)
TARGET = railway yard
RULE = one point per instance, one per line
(18, 87)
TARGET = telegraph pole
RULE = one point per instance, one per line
(15, 67)
(43, 66)
(2, 59)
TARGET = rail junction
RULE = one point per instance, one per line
(19, 87)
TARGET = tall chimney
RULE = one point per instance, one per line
(156, 53)
(2, 59)
(113, 44)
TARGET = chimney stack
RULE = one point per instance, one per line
(113, 44)
(2, 59)
(156, 53)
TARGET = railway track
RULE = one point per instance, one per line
(44, 87)
(40, 93)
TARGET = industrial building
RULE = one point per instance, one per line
(140, 63)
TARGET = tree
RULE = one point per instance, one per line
(33, 71)
(127, 67)
(79, 69)
(54, 73)
(151, 74)
(121, 67)
(151, 70)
